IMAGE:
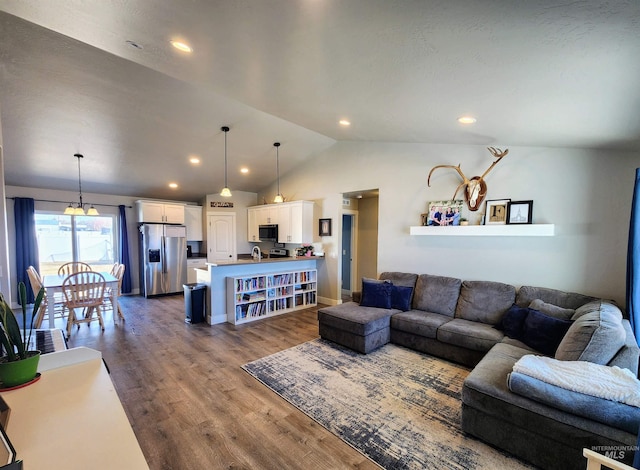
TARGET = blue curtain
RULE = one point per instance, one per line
(26, 241)
(633, 261)
(123, 249)
(636, 458)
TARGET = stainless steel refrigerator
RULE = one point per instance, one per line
(163, 258)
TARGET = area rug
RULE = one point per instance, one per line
(398, 407)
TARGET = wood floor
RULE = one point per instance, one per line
(190, 404)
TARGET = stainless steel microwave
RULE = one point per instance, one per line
(268, 233)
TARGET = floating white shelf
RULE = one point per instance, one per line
(533, 230)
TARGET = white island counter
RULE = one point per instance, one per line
(226, 304)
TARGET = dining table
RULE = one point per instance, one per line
(52, 284)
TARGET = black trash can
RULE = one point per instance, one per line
(194, 302)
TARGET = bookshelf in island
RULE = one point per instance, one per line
(255, 297)
(247, 290)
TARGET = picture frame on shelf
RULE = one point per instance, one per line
(496, 211)
(520, 212)
(324, 227)
(443, 213)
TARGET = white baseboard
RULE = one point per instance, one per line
(328, 301)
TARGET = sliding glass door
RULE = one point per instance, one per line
(64, 238)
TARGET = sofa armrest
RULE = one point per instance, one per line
(356, 296)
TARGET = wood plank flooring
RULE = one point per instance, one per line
(190, 404)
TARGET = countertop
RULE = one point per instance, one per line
(265, 261)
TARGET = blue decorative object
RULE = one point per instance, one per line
(513, 322)
(543, 332)
(401, 297)
(376, 294)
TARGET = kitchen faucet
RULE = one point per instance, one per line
(256, 253)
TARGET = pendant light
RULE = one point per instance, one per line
(278, 197)
(226, 192)
(79, 209)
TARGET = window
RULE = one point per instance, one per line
(64, 238)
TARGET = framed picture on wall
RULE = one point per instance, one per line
(442, 213)
(324, 227)
(520, 212)
(496, 212)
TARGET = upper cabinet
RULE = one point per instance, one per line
(294, 221)
(160, 212)
(193, 221)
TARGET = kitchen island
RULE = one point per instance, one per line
(247, 289)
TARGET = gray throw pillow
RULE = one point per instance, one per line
(552, 310)
(596, 335)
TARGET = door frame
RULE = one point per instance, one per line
(211, 215)
(354, 250)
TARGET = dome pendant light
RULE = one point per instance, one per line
(278, 197)
(226, 192)
(79, 209)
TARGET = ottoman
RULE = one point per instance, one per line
(362, 329)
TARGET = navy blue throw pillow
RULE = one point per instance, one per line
(401, 297)
(513, 322)
(376, 294)
(544, 333)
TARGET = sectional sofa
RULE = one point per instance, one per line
(492, 327)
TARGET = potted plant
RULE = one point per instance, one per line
(306, 250)
(18, 365)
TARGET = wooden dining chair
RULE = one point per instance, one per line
(73, 267)
(36, 284)
(118, 273)
(84, 294)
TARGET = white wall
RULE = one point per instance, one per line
(585, 193)
(5, 286)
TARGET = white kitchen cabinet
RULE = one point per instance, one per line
(193, 221)
(192, 265)
(266, 214)
(252, 225)
(295, 222)
(160, 212)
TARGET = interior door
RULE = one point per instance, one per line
(347, 258)
(221, 238)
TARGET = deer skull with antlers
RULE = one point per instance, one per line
(476, 188)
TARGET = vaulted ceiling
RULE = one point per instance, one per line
(535, 73)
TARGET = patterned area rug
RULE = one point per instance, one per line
(398, 407)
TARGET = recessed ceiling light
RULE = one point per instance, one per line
(344, 122)
(466, 120)
(244, 170)
(194, 160)
(182, 46)
(173, 185)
